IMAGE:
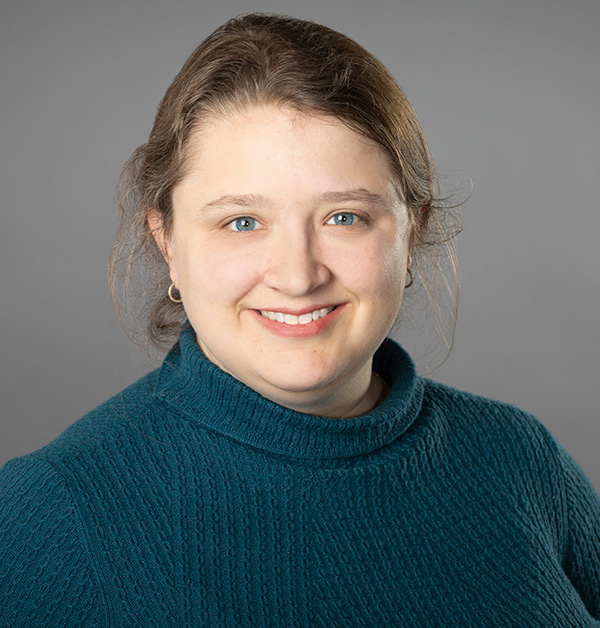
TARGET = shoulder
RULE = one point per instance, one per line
(457, 413)
(497, 440)
(104, 438)
(482, 416)
(123, 417)
(52, 500)
(510, 448)
(106, 427)
(136, 400)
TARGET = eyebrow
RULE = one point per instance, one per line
(251, 200)
(361, 195)
(236, 200)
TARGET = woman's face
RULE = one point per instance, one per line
(289, 247)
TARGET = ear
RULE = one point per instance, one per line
(155, 222)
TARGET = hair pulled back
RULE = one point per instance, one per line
(275, 60)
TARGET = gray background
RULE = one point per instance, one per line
(508, 92)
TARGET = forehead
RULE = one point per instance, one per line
(248, 147)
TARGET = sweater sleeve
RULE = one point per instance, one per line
(46, 578)
(581, 560)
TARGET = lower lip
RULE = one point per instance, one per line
(299, 331)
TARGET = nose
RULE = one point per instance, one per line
(295, 266)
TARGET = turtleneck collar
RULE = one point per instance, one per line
(205, 393)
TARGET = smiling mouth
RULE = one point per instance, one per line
(302, 319)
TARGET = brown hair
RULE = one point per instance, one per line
(278, 60)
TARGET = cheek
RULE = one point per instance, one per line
(217, 276)
(378, 269)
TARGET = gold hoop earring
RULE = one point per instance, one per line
(170, 292)
(410, 278)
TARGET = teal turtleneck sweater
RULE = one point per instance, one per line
(190, 500)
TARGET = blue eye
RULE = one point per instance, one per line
(243, 224)
(343, 219)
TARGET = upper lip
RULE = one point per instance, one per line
(297, 312)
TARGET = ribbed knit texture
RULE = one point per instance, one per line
(190, 500)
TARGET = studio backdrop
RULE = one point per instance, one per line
(508, 95)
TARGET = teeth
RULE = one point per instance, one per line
(291, 319)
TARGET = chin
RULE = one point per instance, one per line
(297, 387)
(302, 379)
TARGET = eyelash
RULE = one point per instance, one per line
(356, 221)
(230, 225)
(355, 218)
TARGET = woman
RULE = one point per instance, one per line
(286, 466)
